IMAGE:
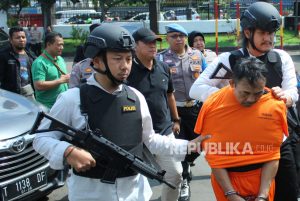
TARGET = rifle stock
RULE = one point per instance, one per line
(104, 149)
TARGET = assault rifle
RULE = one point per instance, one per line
(103, 149)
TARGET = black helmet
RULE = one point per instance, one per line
(192, 36)
(261, 15)
(108, 37)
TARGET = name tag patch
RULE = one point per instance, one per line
(128, 108)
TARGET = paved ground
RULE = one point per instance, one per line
(200, 185)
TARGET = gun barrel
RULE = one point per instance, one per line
(150, 172)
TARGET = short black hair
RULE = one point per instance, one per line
(50, 37)
(193, 35)
(250, 68)
(93, 26)
(15, 29)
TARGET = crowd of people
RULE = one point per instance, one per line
(232, 105)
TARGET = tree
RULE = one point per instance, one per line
(75, 2)
(18, 4)
(105, 5)
(48, 11)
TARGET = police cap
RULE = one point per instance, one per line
(175, 28)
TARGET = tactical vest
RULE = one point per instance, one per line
(119, 119)
(272, 61)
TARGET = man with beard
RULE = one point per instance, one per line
(244, 158)
(49, 71)
(15, 64)
(259, 23)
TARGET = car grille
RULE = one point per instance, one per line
(13, 165)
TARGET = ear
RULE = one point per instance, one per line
(231, 82)
(97, 61)
(167, 38)
(247, 33)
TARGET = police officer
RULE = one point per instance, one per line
(152, 78)
(196, 40)
(185, 65)
(81, 71)
(101, 103)
(82, 66)
(259, 23)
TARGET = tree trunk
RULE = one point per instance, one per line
(48, 17)
(103, 11)
(19, 11)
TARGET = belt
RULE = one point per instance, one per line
(245, 168)
(189, 103)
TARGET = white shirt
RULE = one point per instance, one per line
(134, 188)
(204, 86)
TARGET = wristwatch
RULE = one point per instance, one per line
(262, 198)
(178, 120)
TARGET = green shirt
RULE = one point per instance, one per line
(43, 69)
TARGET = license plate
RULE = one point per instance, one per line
(24, 185)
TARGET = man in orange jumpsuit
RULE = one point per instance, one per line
(247, 126)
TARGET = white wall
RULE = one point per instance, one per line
(3, 21)
(205, 26)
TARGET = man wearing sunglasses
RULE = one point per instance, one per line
(259, 23)
(185, 65)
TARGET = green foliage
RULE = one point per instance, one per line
(7, 4)
(12, 21)
(75, 1)
(224, 40)
(48, 3)
(79, 35)
(4, 5)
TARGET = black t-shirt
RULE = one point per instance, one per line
(154, 85)
(79, 54)
(24, 74)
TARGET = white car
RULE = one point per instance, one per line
(180, 14)
(24, 174)
(144, 17)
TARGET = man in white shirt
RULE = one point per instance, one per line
(104, 100)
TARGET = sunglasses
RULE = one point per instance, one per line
(175, 36)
